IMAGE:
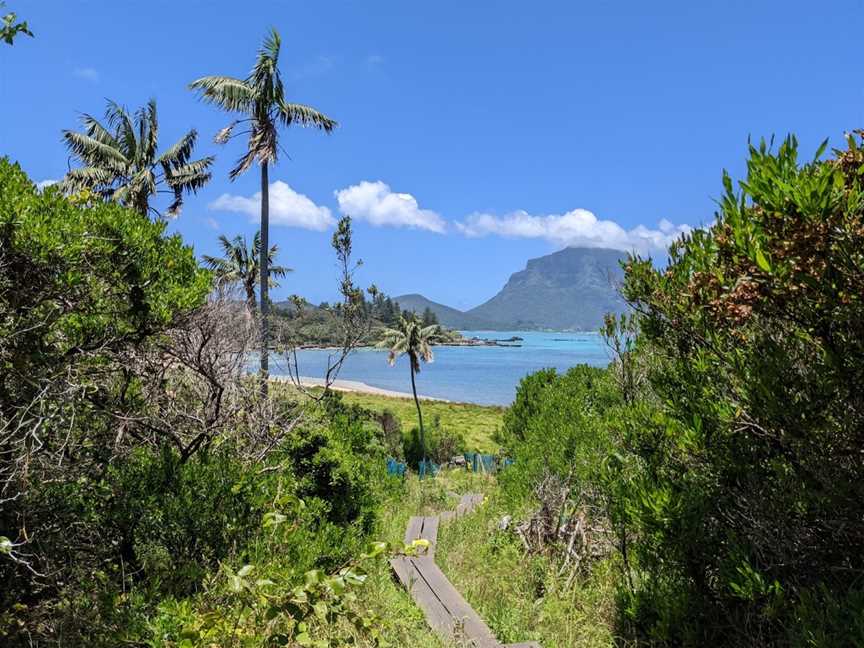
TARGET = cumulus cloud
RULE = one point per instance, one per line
(87, 73)
(287, 207)
(377, 204)
(578, 227)
(46, 183)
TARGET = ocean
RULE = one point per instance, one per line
(484, 375)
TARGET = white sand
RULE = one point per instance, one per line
(356, 386)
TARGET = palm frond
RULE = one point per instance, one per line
(120, 122)
(224, 134)
(191, 176)
(94, 128)
(179, 153)
(148, 132)
(233, 95)
(85, 178)
(295, 113)
(243, 164)
(265, 74)
(92, 151)
(276, 270)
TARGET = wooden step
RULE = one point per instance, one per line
(447, 612)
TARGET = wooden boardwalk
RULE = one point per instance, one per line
(447, 613)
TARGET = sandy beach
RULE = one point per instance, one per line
(356, 386)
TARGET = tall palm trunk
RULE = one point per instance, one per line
(265, 277)
(419, 413)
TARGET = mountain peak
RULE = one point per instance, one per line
(571, 289)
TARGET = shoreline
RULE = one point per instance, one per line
(358, 387)
(467, 342)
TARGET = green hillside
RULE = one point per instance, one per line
(569, 290)
(447, 316)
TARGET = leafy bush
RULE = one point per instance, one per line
(133, 465)
(750, 506)
(525, 406)
(561, 426)
(441, 444)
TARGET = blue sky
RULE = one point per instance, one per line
(473, 135)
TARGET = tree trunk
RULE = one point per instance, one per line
(251, 300)
(265, 278)
(419, 413)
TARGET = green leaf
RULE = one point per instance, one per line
(273, 519)
(313, 577)
(321, 609)
(375, 549)
(761, 261)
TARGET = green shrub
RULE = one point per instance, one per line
(562, 427)
(750, 505)
(441, 444)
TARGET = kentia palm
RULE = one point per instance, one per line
(120, 161)
(240, 264)
(411, 338)
(261, 98)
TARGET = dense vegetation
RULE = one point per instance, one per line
(297, 322)
(704, 489)
(144, 480)
(718, 461)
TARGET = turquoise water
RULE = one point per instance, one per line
(485, 375)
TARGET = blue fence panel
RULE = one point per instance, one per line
(428, 468)
(481, 462)
(396, 467)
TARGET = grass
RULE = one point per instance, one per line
(521, 597)
(477, 423)
(403, 624)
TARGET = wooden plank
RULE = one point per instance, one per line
(446, 611)
(430, 533)
(468, 503)
(437, 616)
(465, 617)
(415, 526)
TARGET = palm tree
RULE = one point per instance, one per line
(261, 98)
(120, 162)
(411, 338)
(240, 265)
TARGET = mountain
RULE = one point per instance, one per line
(568, 290)
(447, 316)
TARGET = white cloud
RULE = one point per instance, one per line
(287, 207)
(46, 183)
(213, 223)
(578, 227)
(87, 73)
(377, 204)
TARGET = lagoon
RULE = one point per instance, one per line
(487, 375)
